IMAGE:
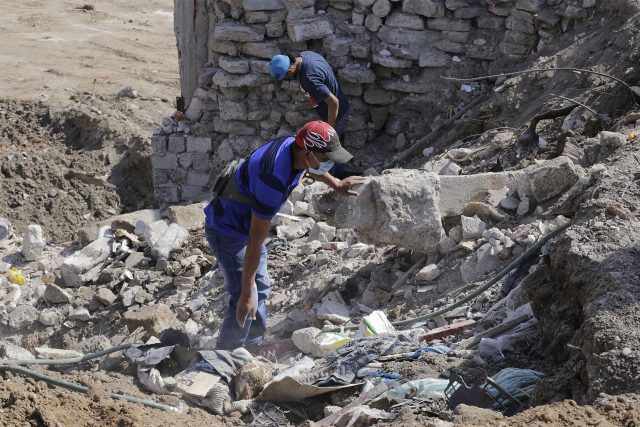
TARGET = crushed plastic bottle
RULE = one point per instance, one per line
(15, 276)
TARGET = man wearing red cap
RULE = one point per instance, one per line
(239, 218)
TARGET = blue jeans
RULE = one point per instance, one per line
(230, 252)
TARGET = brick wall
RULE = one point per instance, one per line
(388, 55)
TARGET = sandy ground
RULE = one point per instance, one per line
(53, 49)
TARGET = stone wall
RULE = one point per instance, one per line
(388, 55)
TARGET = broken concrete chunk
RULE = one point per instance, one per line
(75, 269)
(105, 296)
(446, 245)
(509, 203)
(49, 317)
(396, 208)
(22, 317)
(552, 177)
(190, 217)
(428, 273)
(494, 197)
(171, 240)
(612, 139)
(81, 314)
(33, 243)
(152, 231)
(154, 319)
(323, 232)
(472, 227)
(54, 294)
(456, 233)
(450, 168)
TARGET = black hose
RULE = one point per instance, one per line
(529, 252)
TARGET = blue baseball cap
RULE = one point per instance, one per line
(279, 66)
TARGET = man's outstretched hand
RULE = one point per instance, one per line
(246, 307)
(344, 187)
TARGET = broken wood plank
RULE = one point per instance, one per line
(361, 400)
(445, 331)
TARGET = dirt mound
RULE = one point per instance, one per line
(63, 169)
(38, 404)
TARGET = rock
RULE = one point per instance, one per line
(105, 296)
(80, 314)
(372, 23)
(433, 58)
(297, 230)
(304, 339)
(357, 250)
(428, 8)
(6, 230)
(612, 139)
(54, 294)
(190, 217)
(509, 203)
(396, 208)
(128, 92)
(172, 239)
(154, 319)
(322, 232)
(22, 317)
(94, 343)
(12, 351)
(494, 197)
(472, 227)
(311, 247)
(456, 233)
(255, 5)
(303, 30)
(56, 353)
(468, 270)
(183, 283)
(49, 317)
(251, 378)
(451, 168)
(231, 31)
(33, 243)
(77, 268)
(333, 311)
(381, 8)
(428, 273)
(487, 260)
(355, 73)
(403, 20)
(552, 177)
(446, 245)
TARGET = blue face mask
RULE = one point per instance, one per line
(324, 167)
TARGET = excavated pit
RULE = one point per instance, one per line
(64, 169)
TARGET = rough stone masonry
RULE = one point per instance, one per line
(388, 55)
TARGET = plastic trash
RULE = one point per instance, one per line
(376, 323)
(375, 373)
(15, 276)
(520, 383)
(424, 387)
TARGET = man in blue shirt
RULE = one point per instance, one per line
(318, 83)
(238, 220)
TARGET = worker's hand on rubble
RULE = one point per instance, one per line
(344, 187)
(246, 308)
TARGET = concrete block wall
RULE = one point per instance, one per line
(388, 55)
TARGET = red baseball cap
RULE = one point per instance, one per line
(321, 137)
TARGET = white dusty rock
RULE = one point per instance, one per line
(304, 339)
(396, 208)
(172, 239)
(428, 273)
(450, 168)
(33, 243)
(81, 314)
(77, 268)
(472, 227)
(12, 351)
(323, 232)
(153, 318)
(49, 317)
(54, 294)
(446, 245)
(456, 233)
